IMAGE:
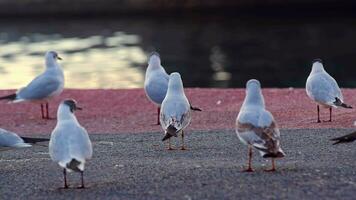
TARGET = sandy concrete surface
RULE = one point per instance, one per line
(129, 111)
(136, 166)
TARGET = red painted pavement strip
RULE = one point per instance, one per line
(129, 111)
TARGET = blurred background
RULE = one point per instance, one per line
(212, 43)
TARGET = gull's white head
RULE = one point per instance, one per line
(175, 83)
(66, 108)
(154, 60)
(51, 58)
(317, 66)
(254, 93)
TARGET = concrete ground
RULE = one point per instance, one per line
(137, 166)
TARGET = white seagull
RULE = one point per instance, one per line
(175, 113)
(323, 89)
(156, 81)
(70, 145)
(45, 86)
(10, 140)
(255, 126)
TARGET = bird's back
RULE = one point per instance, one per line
(70, 141)
(175, 108)
(43, 86)
(323, 88)
(9, 139)
(156, 85)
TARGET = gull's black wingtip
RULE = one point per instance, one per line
(34, 140)
(195, 108)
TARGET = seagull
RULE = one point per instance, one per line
(45, 86)
(323, 89)
(345, 139)
(156, 83)
(256, 127)
(10, 140)
(70, 145)
(175, 113)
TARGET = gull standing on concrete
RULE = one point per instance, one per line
(45, 86)
(175, 113)
(70, 145)
(323, 89)
(156, 81)
(10, 140)
(255, 126)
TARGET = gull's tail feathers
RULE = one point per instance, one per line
(34, 140)
(339, 103)
(75, 165)
(10, 97)
(171, 131)
(270, 152)
(345, 139)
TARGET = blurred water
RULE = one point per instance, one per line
(208, 51)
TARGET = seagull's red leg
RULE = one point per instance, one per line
(273, 167)
(169, 144)
(330, 110)
(158, 115)
(65, 178)
(47, 112)
(249, 169)
(317, 107)
(183, 146)
(42, 111)
(82, 176)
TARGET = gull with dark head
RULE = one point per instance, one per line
(156, 81)
(10, 140)
(45, 86)
(70, 145)
(175, 110)
(256, 127)
(323, 89)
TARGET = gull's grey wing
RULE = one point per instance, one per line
(70, 141)
(323, 88)
(41, 87)
(80, 145)
(10, 139)
(156, 87)
(179, 111)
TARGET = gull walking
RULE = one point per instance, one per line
(255, 126)
(175, 111)
(70, 145)
(156, 81)
(323, 89)
(45, 86)
(10, 140)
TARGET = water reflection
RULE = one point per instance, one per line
(208, 51)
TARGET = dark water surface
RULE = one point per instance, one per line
(219, 51)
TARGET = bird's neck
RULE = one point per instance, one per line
(317, 68)
(64, 114)
(51, 64)
(254, 97)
